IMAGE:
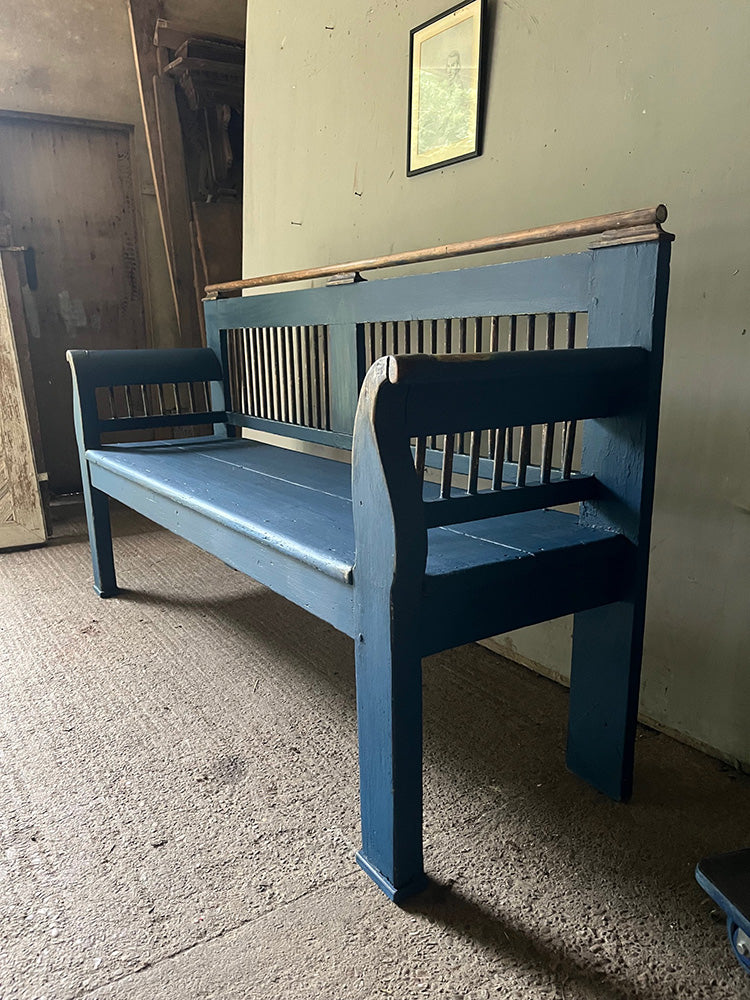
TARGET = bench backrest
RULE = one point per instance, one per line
(294, 361)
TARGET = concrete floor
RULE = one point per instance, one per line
(178, 811)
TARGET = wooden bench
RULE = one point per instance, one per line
(464, 397)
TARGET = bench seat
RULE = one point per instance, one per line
(300, 508)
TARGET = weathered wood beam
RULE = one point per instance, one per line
(646, 220)
(167, 159)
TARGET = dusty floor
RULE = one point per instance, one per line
(178, 811)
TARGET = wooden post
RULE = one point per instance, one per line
(167, 160)
(391, 558)
(629, 293)
(346, 347)
(97, 503)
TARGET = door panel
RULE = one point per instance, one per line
(68, 188)
(21, 513)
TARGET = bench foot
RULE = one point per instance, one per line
(396, 895)
(604, 685)
(100, 539)
(389, 722)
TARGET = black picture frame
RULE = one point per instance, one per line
(446, 88)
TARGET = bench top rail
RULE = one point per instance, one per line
(641, 223)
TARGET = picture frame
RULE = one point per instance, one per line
(446, 71)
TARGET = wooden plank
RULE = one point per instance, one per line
(346, 346)
(328, 598)
(645, 217)
(499, 390)
(218, 228)
(391, 556)
(23, 315)
(464, 605)
(89, 276)
(496, 503)
(556, 284)
(176, 199)
(629, 298)
(198, 279)
(98, 368)
(334, 439)
(22, 519)
(166, 155)
(159, 421)
(310, 525)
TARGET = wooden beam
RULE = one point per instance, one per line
(176, 202)
(616, 221)
(166, 156)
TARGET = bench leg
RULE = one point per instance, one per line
(389, 719)
(100, 539)
(604, 688)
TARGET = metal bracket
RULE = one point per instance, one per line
(345, 278)
(634, 234)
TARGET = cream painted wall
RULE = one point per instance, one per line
(591, 108)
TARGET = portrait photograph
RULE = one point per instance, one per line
(445, 88)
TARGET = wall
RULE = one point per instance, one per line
(591, 108)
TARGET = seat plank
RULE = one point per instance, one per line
(308, 523)
(301, 505)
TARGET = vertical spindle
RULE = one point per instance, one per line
(474, 442)
(512, 346)
(498, 457)
(548, 430)
(494, 346)
(315, 366)
(420, 456)
(383, 340)
(324, 380)
(569, 428)
(446, 474)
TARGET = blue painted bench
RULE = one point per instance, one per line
(463, 398)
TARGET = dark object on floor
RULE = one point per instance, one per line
(405, 566)
(726, 879)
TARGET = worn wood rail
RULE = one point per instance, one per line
(639, 224)
(473, 406)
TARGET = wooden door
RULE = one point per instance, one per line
(22, 519)
(68, 188)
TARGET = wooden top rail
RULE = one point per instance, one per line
(615, 222)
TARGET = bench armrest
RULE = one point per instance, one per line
(418, 396)
(92, 370)
(144, 367)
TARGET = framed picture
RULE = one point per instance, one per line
(445, 88)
